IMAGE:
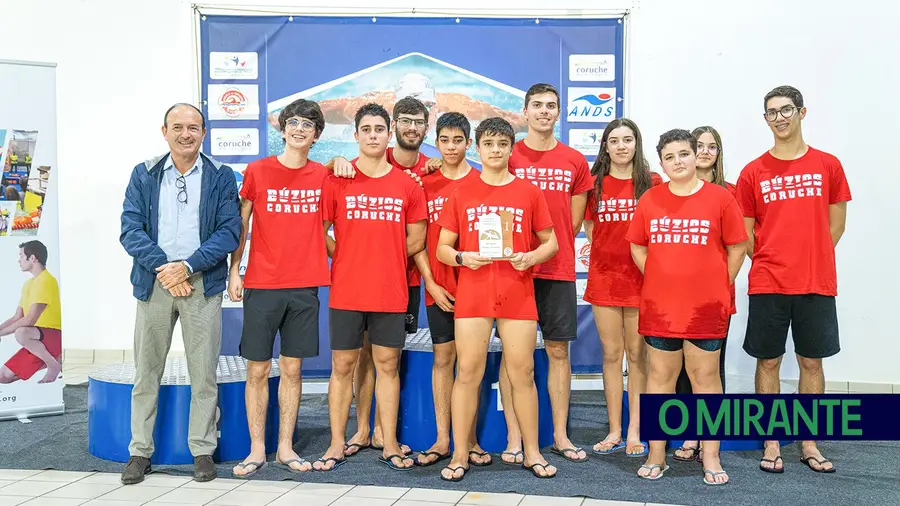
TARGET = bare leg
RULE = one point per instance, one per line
(559, 385)
(812, 381)
(610, 323)
(513, 452)
(768, 382)
(473, 335)
(364, 383)
(442, 387)
(636, 353)
(7, 376)
(387, 393)
(30, 339)
(290, 388)
(256, 397)
(664, 367)
(340, 395)
(703, 369)
(519, 338)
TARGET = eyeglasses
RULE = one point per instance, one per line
(712, 148)
(406, 122)
(294, 124)
(181, 184)
(786, 112)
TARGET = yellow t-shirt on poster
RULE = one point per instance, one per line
(43, 289)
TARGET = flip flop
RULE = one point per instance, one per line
(563, 453)
(245, 465)
(481, 454)
(389, 461)
(633, 455)
(287, 464)
(774, 469)
(695, 451)
(403, 448)
(358, 447)
(453, 470)
(617, 445)
(337, 463)
(650, 468)
(714, 483)
(515, 455)
(440, 457)
(821, 462)
(535, 473)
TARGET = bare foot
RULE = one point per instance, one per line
(771, 460)
(433, 454)
(251, 464)
(610, 443)
(333, 457)
(811, 455)
(394, 453)
(53, 371)
(688, 450)
(455, 470)
(359, 442)
(652, 470)
(712, 470)
(539, 466)
(479, 457)
(289, 457)
(513, 454)
(569, 451)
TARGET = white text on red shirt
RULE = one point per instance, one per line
(290, 201)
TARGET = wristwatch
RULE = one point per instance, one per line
(187, 266)
(459, 258)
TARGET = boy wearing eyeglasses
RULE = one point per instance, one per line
(288, 263)
(794, 199)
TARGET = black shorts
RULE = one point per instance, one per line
(812, 319)
(557, 308)
(677, 343)
(346, 329)
(412, 310)
(294, 312)
(441, 325)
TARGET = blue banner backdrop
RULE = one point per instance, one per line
(253, 66)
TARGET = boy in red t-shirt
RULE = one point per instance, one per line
(380, 210)
(495, 286)
(687, 238)
(453, 139)
(794, 199)
(287, 265)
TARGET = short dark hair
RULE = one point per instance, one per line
(305, 109)
(372, 109)
(495, 126)
(185, 104)
(37, 249)
(788, 92)
(676, 135)
(453, 120)
(537, 89)
(411, 106)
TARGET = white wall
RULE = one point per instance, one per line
(691, 62)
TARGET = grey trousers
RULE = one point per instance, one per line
(201, 326)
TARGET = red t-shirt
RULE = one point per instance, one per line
(686, 284)
(793, 251)
(733, 190)
(560, 173)
(368, 268)
(414, 278)
(437, 191)
(496, 290)
(613, 278)
(287, 245)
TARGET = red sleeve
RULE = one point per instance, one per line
(416, 210)
(732, 189)
(840, 190)
(745, 193)
(328, 199)
(733, 229)
(449, 218)
(637, 231)
(591, 210)
(248, 186)
(540, 214)
(655, 179)
(583, 180)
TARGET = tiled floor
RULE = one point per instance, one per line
(64, 488)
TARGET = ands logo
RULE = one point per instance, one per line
(591, 104)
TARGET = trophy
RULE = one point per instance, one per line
(495, 235)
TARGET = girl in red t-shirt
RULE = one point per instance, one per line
(687, 238)
(710, 168)
(622, 175)
(495, 286)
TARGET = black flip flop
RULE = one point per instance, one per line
(440, 457)
(453, 470)
(695, 451)
(822, 462)
(535, 473)
(389, 461)
(515, 455)
(562, 453)
(774, 469)
(355, 445)
(401, 445)
(337, 463)
(480, 454)
(258, 466)
(287, 465)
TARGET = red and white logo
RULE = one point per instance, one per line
(365, 207)
(547, 179)
(233, 102)
(584, 256)
(291, 201)
(690, 231)
(791, 187)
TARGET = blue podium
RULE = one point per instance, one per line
(416, 424)
(109, 412)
